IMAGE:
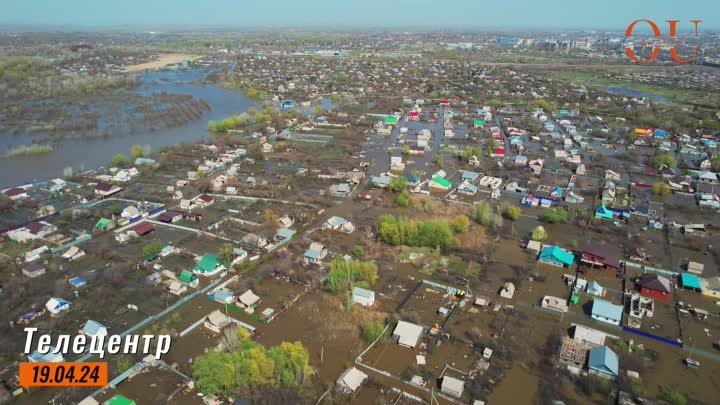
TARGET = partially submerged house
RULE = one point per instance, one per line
(315, 253)
(603, 362)
(217, 321)
(556, 256)
(655, 286)
(606, 311)
(596, 256)
(363, 296)
(452, 386)
(208, 265)
(57, 305)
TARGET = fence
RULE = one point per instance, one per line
(653, 337)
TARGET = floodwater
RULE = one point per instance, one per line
(82, 153)
(508, 392)
(624, 91)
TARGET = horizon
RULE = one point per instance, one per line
(609, 16)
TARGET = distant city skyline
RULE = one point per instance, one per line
(607, 15)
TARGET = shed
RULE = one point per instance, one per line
(33, 270)
(407, 334)
(452, 386)
(351, 379)
(363, 297)
(690, 281)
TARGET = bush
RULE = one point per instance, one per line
(512, 212)
(661, 189)
(397, 185)
(357, 251)
(460, 224)
(675, 397)
(152, 249)
(371, 330)
(555, 215)
(402, 200)
(120, 160)
(539, 234)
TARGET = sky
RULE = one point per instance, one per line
(338, 14)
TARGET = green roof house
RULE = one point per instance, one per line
(391, 120)
(102, 224)
(440, 183)
(208, 265)
(187, 277)
(478, 123)
(118, 399)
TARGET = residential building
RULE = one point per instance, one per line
(452, 386)
(655, 286)
(363, 297)
(556, 256)
(407, 334)
(602, 361)
(217, 321)
(315, 253)
(606, 311)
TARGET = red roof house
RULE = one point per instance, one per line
(655, 286)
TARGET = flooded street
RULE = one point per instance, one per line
(87, 152)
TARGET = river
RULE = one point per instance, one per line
(83, 153)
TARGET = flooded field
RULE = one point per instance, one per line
(81, 153)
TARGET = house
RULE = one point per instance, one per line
(536, 166)
(284, 234)
(315, 253)
(407, 334)
(105, 189)
(380, 181)
(254, 241)
(248, 299)
(328, 173)
(57, 305)
(603, 213)
(606, 311)
(285, 221)
(217, 321)
(438, 183)
(468, 175)
(351, 380)
(339, 224)
(187, 205)
(32, 231)
(655, 286)
(588, 336)
(176, 288)
(94, 328)
(554, 303)
(412, 180)
(208, 265)
(188, 278)
(170, 217)
(573, 198)
(556, 256)
(467, 188)
(33, 270)
(363, 297)
(690, 281)
(49, 357)
(104, 224)
(452, 386)
(224, 296)
(130, 212)
(73, 253)
(603, 362)
(508, 290)
(16, 193)
(596, 256)
(141, 229)
(595, 289)
(695, 268)
(204, 200)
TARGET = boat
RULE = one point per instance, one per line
(692, 363)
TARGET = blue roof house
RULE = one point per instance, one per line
(556, 256)
(94, 328)
(690, 281)
(607, 312)
(77, 281)
(594, 288)
(603, 212)
(412, 179)
(468, 175)
(603, 362)
(287, 104)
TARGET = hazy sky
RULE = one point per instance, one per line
(573, 14)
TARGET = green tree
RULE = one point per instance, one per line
(716, 163)
(346, 273)
(397, 184)
(439, 161)
(555, 215)
(512, 212)
(152, 249)
(226, 254)
(136, 151)
(406, 150)
(662, 160)
(661, 189)
(119, 160)
(487, 216)
(539, 234)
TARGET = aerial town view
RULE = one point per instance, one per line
(359, 202)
